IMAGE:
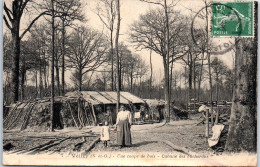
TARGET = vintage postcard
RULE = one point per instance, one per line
(130, 82)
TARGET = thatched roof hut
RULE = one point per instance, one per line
(35, 115)
(101, 102)
(75, 109)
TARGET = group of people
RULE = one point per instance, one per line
(123, 128)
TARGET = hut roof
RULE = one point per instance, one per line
(154, 102)
(131, 97)
(106, 97)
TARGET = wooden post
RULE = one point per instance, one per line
(207, 124)
(216, 116)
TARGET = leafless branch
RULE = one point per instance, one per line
(31, 24)
(156, 3)
(7, 24)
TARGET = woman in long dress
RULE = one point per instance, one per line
(123, 124)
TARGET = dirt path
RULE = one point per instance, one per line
(157, 137)
(184, 134)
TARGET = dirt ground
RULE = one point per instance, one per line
(186, 134)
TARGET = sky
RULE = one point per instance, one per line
(130, 12)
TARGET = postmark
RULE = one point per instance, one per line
(232, 19)
(217, 45)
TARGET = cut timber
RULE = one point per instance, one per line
(38, 147)
(47, 137)
(26, 118)
(18, 115)
(10, 113)
(48, 146)
(92, 144)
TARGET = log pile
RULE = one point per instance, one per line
(32, 143)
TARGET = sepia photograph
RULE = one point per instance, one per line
(129, 82)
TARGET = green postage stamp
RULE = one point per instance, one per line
(232, 19)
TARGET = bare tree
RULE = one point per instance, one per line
(69, 11)
(108, 16)
(12, 19)
(141, 70)
(219, 70)
(87, 51)
(150, 33)
(42, 34)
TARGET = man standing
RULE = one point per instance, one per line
(203, 108)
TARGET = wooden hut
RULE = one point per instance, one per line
(103, 103)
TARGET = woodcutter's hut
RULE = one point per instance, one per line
(103, 103)
(75, 109)
(35, 115)
(156, 108)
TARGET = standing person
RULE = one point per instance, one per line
(142, 113)
(105, 134)
(123, 124)
(109, 113)
(202, 109)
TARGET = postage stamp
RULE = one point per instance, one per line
(232, 19)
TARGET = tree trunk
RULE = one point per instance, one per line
(217, 98)
(190, 65)
(15, 63)
(57, 75)
(44, 71)
(36, 83)
(166, 73)
(200, 77)
(79, 80)
(63, 59)
(210, 85)
(41, 83)
(52, 69)
(117, 55)
(209, 64)
(194, 79)
(151, 75)
(242, 130)
(23, 73)
(131, 80)
(112, 60)
(6, 88)
(140, 86)
(166, 90)
(120, 72)
(186, 94)
(171, 82)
